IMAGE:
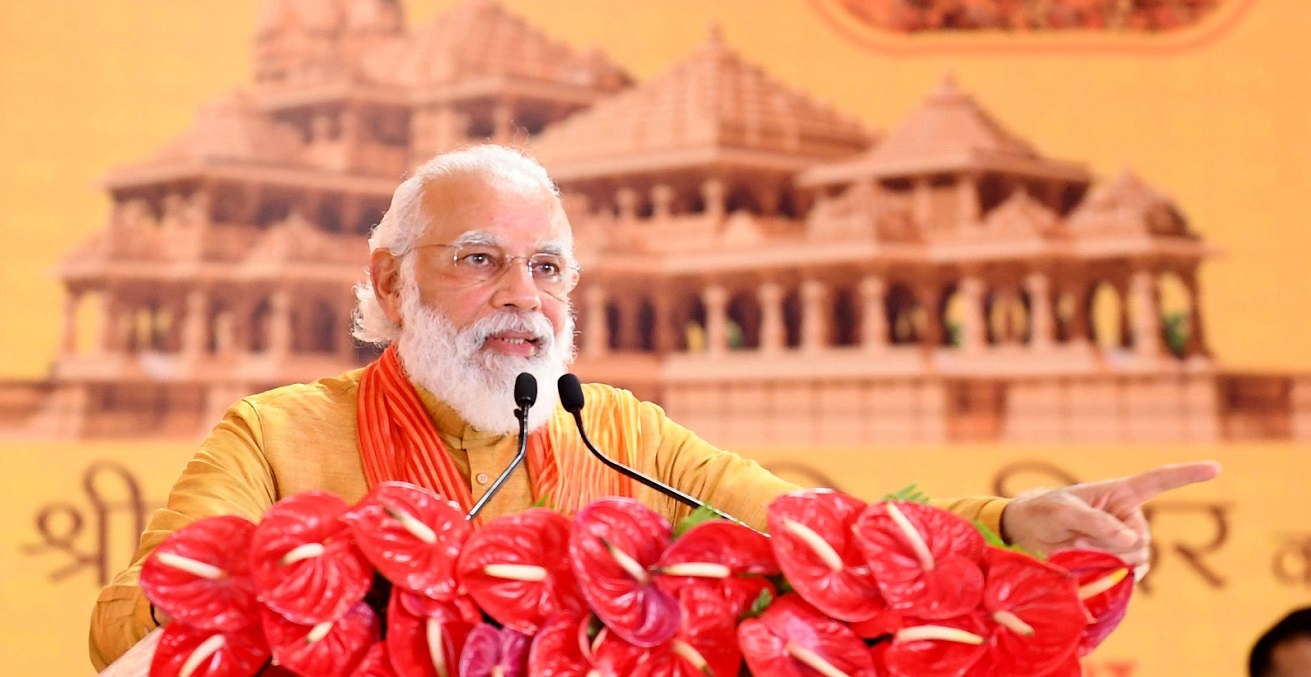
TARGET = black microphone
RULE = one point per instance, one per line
(525, 394)
(571, 398)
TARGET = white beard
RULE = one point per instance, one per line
(479, 385)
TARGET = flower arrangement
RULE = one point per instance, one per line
(402, 585)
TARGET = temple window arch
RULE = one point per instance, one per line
(906, 321)
(846, 317)
(260, 318)
(1107, 311)
(1008, 316)
(1176, 313)
(646, 326)
(273, 209)
(692, 338)
(953, 314)
(369, 215)
(744, 313)
(320, 329)
(742, 198)
(793, 311)
(328, 215)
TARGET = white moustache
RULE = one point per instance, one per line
(535, 326)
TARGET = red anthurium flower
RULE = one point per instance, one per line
(615, 657)
(200, 575)
(811, 537)
(304, 562)
(886, 623)
(411, 535)
(924, 559)
(560, 647)
(375, 663)
(706, 643)
(517, 569)
(614, 546)
(612, 656)
(792, 639)
(327, 649)
(494, 652)
(1037, 611)
(1105, 586)
(951, 647)
(722, 555)
(185, 651)
(708, 626)
(425, 636)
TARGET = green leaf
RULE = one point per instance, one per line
(909, 494)
(763, 600)
(701, 514)
(543, 502)
(995, 540)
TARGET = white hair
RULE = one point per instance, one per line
(405, 220)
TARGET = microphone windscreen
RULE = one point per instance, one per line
(525, 390)
(571, 393)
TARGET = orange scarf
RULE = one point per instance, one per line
(398, 441)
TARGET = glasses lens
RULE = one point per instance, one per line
(480, 263)
(477, 263)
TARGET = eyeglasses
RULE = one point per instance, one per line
(474, 263)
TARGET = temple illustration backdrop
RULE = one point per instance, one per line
(771, 270)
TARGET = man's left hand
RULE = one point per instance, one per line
(1104, 515)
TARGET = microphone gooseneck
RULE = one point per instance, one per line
(525, 395)
(571, 398)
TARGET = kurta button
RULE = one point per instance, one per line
(482, 478)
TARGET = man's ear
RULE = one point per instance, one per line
(385, 273)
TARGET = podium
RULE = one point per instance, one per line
(136, 662)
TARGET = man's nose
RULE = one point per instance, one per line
(515, 288)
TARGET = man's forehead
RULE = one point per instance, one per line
(478, 204)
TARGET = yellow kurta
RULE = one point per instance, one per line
(303, 437)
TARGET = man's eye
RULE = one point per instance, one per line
(547, 268)
(477, 260)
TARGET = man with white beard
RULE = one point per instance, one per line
(469, 278)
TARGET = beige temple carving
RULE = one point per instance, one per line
(771, 271)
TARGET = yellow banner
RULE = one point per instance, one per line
(1231, 556)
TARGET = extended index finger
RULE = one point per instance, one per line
(1157, 481)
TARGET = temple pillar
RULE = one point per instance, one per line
(503, 123)
(280, 330)
(814, 315)
(663, 339)
(225, 331)
(626, 329)
(68, 335)
(1006, 298)
(1196, 335)
(626, 198)
(873, 314)
(596, 329)
(1146, 319)
(927, 295)
(713, 194)
(773, 333)
(1041, 322)
(662, 200)
(973, 324)
(715, 299)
